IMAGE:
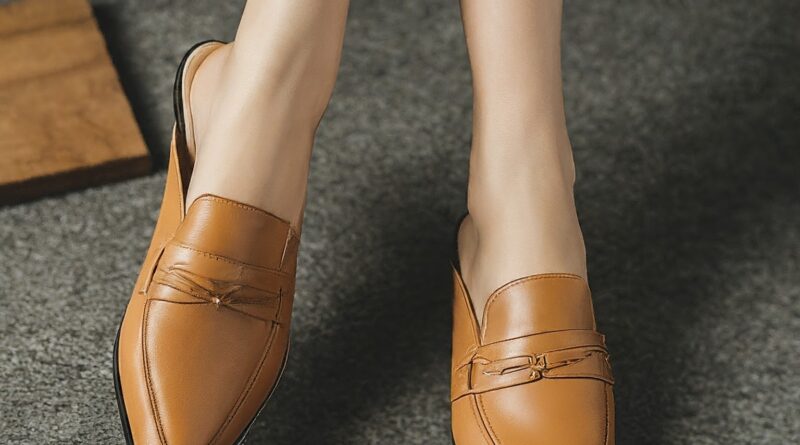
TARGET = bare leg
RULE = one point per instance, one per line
(522, 213)
(257, 101)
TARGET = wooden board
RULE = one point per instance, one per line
(65, 122)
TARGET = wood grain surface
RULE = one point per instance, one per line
(65, 122)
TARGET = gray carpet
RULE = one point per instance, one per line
(685, 121)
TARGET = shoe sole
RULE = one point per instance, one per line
(177, 98)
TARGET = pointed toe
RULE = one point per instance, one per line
(205, 334)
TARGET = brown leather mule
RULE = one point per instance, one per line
(536, 372)
(206, 332)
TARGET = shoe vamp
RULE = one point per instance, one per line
(562, 411)
(201, 363)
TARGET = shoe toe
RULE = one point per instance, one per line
(564, 411)
(201, 365)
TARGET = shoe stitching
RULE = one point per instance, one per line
(546, 371)
(547, 332)
(266, 320)
(465, 300)
(151, 269)
(486, 421)
(482, 410)
(230, 260)
(582, 376)
(474, 407)
(189, 278)
(175, 154)
(162, 434)
(476, 352)
(249, 388)
(250, 385)
(196, 295)
(153, 404)
(271, 294)
(248, 208)
(607, 417)
(515, 283)
(178, 302)
(286, 245)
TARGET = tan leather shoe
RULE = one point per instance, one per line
(205, 334)
(537, 372)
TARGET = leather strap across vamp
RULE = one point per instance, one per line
(536, 372)
(205, 335)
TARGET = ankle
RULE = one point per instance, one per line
(267, 172)
(527, 212)
(296, 83)
(522, 218)
(502, 248)
(252, 140)
(528, 149)
(511, 172)
(527, 236)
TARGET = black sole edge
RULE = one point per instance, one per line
(123, 414)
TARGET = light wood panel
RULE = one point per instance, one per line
(65, 122)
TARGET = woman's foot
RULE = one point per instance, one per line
(522, 217)
(205, 334)
(524, 335)
(257, 101)
(522, 214)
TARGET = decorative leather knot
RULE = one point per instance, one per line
(569, 354)
(217, 292)
(539, 365)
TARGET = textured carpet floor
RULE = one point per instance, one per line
(685, 117)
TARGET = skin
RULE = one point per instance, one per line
(266, 92)
(520, 198)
